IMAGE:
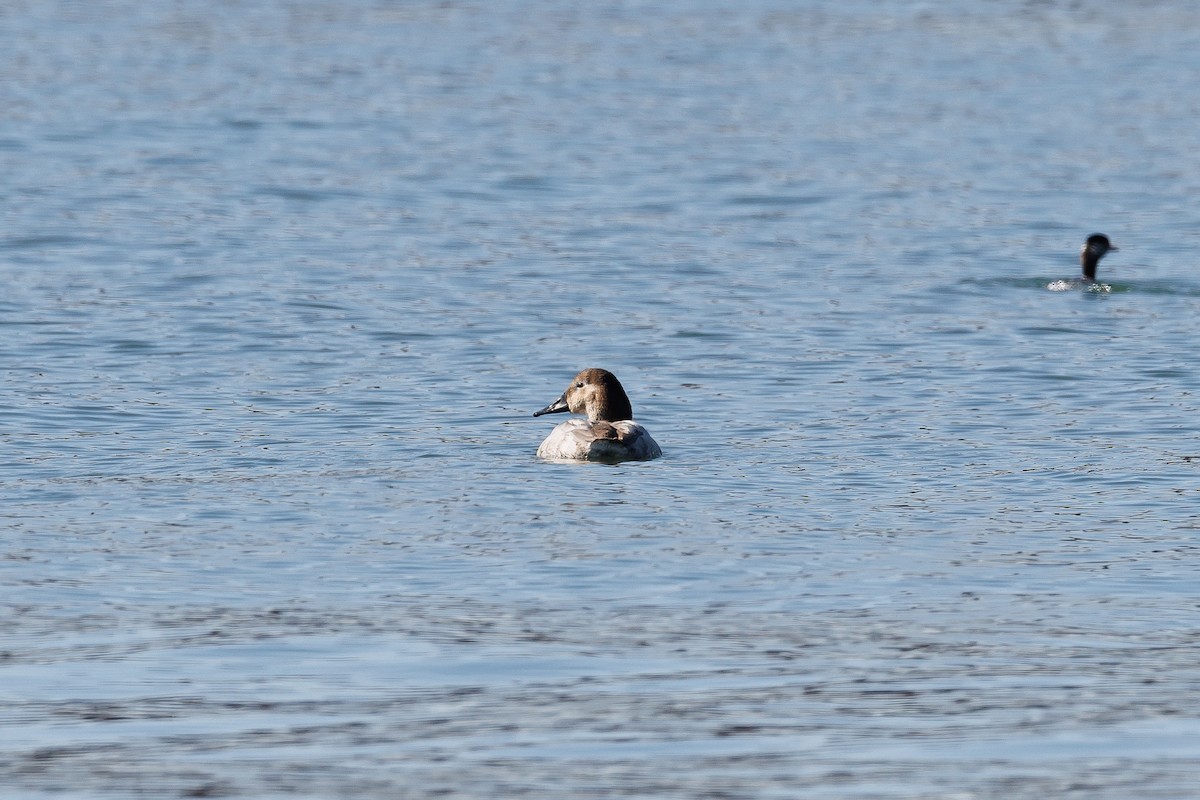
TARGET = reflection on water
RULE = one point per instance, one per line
(283, 285)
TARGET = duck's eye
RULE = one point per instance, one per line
(579, 385)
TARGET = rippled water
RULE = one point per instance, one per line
(284, 282)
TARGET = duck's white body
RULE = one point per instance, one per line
(580, 439)
(608, 433)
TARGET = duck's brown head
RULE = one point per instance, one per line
(596, 393)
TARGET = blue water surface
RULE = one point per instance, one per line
(285, 281)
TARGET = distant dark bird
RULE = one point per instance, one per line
(1092, 251)
(1089, 256)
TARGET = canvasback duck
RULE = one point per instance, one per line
(1089, 257)
(609, 432)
